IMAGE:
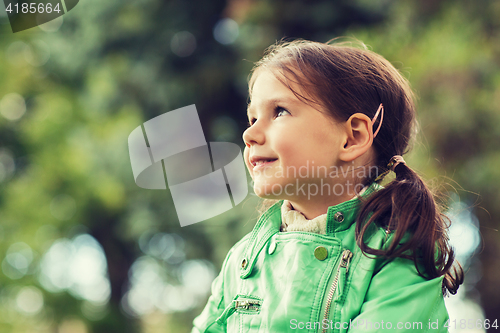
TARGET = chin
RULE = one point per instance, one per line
(262, 193)
(266, 191)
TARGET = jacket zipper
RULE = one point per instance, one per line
(344, 263)
(247, 304)
(250, 305)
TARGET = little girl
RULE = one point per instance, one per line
(336, 252)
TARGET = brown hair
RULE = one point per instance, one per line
(345, 80)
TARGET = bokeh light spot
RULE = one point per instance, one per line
(226, 31)
(37, 54)
(183, 44)
(17, 260)
(12, 106)
(78, 266)
(29, 300)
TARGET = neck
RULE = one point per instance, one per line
(316, 206)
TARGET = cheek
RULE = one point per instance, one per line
(306, 150)
(293, 150)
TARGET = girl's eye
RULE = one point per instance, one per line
(281, 112)
(278, 112)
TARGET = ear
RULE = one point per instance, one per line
(359, 137)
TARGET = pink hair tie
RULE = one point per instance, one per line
(381, 111)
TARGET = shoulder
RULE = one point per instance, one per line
(394, 291)
(397, 291)
(394, 286)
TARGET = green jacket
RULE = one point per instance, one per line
(274, 281)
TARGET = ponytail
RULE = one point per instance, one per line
(406, 207)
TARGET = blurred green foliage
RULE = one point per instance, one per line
(71, 94)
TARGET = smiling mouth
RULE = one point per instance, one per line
(263, 162)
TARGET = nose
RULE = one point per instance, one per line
(254, 135)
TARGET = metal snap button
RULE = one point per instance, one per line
(244, 263)
(272, 247)
(321, 253)
(339, 217)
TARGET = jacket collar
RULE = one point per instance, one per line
(339, 218)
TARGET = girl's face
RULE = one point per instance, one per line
(292, 149)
